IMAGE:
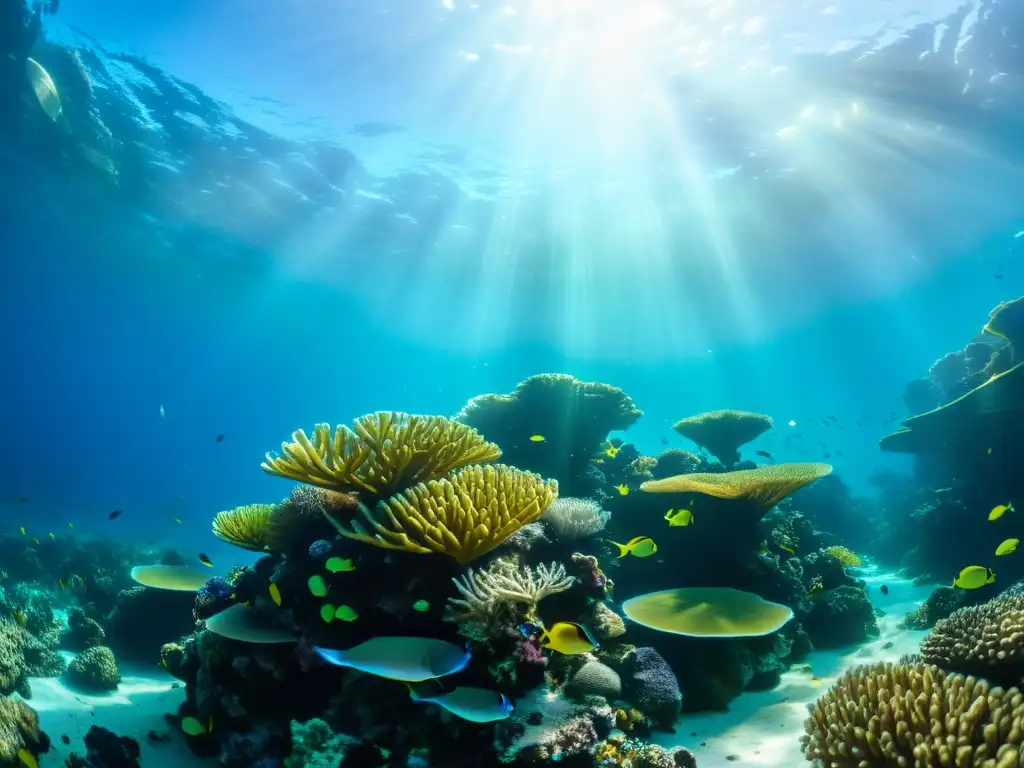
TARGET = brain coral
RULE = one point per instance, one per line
(595, 679)
(914, 715)
(986, 639)
(95, 668)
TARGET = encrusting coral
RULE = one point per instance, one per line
(504, 582)
(763, 487)
(464, 516)
(381, 454)
(722, 433)
(243, 526)
(847, 558)
(986, 639)
(914, 715)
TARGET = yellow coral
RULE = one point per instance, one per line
(764, 487)
(464, 516)
(847, 558)
(244, 527)
(723, 432)
(381, 454)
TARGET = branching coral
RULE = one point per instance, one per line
(914, 715)
(571, 519)
(721, 433)
(243, 526)
(986, 639)
(464, 516)
(381, 454)
(847, 558)
(763, 487)
(504, 583)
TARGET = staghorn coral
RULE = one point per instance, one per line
(986, 639)
(503, 582)
(243, 526)
(914, 715)
(721, 433)
(847, 558)
(464, 516)
(571, 519)
(763, 487)
(383, 453)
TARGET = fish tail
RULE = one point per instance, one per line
(332, 656)
(623, 548)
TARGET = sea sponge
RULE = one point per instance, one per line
(19, 728)
(302, 518)
(763, 487)
(464, 516)
(383, 453)
(95, 668)
(721, 433)
(847, 558)
(571, 519)
(243, 526)
(595, 679)
(914, 715)
(985, 639)
(707, 612)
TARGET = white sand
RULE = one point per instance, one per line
(134, 709)
(764, 728)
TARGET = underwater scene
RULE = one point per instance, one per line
(441, 384)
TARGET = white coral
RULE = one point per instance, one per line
(504, 583)
(571, 519)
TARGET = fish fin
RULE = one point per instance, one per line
(331, 656)
(623, 548)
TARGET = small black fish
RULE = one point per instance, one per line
(22, 499)
(828, 455)
(115, 514)
(764, 454)
(205, 560)
(219, 439)
(664, 441)
(997, 276)
(885, 590)
(66, 739)
(839, 453)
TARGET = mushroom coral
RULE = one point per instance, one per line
(707, 612)
(381, 454)
(914, 715)
(985, 639)
(465, 515)
(243, 526)
(763, 487)
(722, 433)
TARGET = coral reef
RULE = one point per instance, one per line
(303, 517)
(19, 729)
(842, 617)
(484, 593)
(940, 604)
(721, 433)
(243, 526)
(650, 684)
(914, 714)
(571, 519)
(143, 619)
(316, 745)
(82, 632)
(94, 669)
(105, 749)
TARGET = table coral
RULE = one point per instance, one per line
(722, 433)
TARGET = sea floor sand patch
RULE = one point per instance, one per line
(134, 709)
(763, 729)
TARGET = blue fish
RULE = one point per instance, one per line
(478, 705)
(409, 659)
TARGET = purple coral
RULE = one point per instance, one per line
(216, 588)
(526, 650)
(652, 686)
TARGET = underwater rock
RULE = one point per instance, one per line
(82, 632)
(172, 658)
(650, 684)
(19, 728)
(595, 679)
(95, 669)
(841, 616)
(143, 619)
(105, 749)
(939, 605)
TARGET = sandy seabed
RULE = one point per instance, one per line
(764, 728)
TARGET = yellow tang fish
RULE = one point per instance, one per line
(28, 758)
(421, 605)
(679, 518)
(641, 546)
(52, 535)
(35, 539)
(193, 727)
(339, 565)
(999, 510)
(537, 438)
(623, 489)
(275, 594)
(71, 525)
(317, 586)
(974, 576)
(612, 451)
(327, 613)
(816, 587)
(1008, 547)
(177, 520)
(22, 529)
(344, 613)
(566, 637)
(784, 548)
